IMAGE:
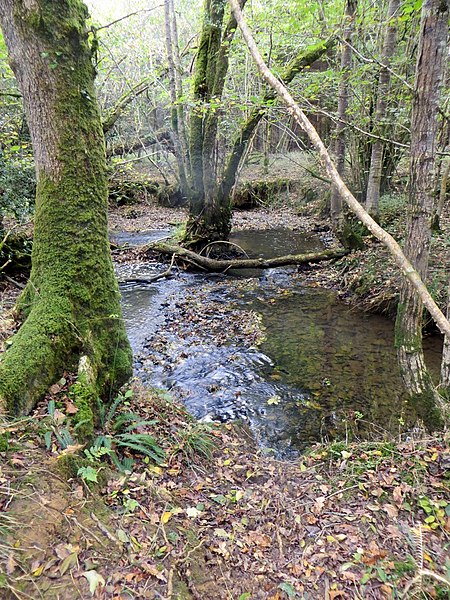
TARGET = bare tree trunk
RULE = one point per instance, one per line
(173, 96)
(402, 262)
(72, 302)
(339, 149)
(179, 87)
(443, 191)
(424, 127)
(376, 160)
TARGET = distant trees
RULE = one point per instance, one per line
(71, 308)
(379, 118)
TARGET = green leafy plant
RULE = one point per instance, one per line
(124, 431)
(194, 439)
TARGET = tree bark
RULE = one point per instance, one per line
(424, 127)
(376, 160)
(339, 148)
(402, 262)
(179, 154)
(71, 302)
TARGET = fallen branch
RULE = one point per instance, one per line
(218, 266)
(17, 284)
(154, 278)
(301, 119)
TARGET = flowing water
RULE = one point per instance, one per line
(323, 370)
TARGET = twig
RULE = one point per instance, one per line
(166, 273)
(103, 529)
(19, 285)
(137, 12)
(89, 531)
(170, 584)
(223, 242)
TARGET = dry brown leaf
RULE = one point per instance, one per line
(391, 510)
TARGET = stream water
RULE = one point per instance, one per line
(322, 371)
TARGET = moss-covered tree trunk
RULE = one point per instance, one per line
(71, 303)
(424, 125)
(208, 219)
(210, 206)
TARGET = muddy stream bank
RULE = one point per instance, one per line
(292, 360)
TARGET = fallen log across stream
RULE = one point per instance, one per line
(220, 266)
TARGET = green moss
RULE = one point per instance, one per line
(68, 465)
(412, 342)
(84, 396)
(72, 302)
(4, 442)
(427, 410)
(35, 357)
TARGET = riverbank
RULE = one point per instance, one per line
(215, 521)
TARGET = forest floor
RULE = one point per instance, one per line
(217, 518)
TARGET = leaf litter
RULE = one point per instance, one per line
(362, 520)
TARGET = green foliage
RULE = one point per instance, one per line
(88, 474)
(392, 209)
(128, 187)
(124, 432)
(195, 439)
(17, 187)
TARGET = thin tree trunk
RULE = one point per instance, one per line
(376, 160)
(339, 149)
(173, 96)
(443, 191)
(72, 302)
(179, 87)
(445, 365)
(402, 262)
(424, 127)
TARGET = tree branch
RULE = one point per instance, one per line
(396, 252)
(127, 98)
(219, 266)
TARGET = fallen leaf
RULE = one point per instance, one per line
(165, 517)
(58, 417)
(68, 562)
(221, 533)
(94, 580)
(10, 564)
(391, 510)
(71, 409)
(154, 571)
